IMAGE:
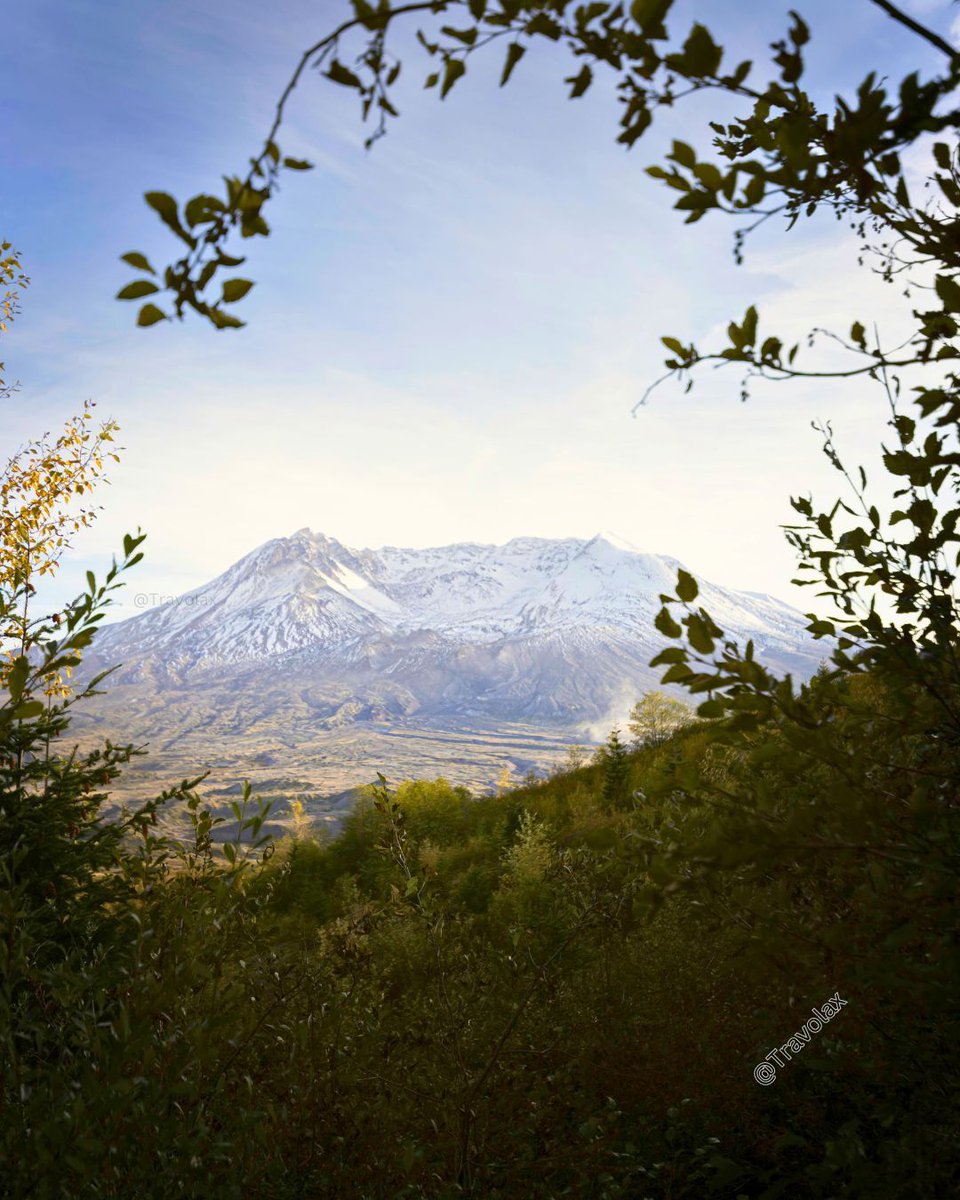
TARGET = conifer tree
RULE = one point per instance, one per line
(616, 770)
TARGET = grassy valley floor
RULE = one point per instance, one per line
(320, 766)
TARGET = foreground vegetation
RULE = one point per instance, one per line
(562, 990)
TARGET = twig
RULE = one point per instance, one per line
(921, 30)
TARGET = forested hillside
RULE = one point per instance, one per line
(561, 990)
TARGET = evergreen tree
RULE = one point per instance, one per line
(616, 771)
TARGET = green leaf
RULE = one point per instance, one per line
(138, 260)
(365, 12)
(701, 55)
(709, 175)
(949, 292)
(754, 191)
(711, 709)
(150, 315)
(749, 326)
(206, 274)
(649, 15)
(740, 74)
(580, 82)
(253, 225)
(297, 164)
(901, 462)
(687, 589)
(139, 287)
(698, 635)
(514, 53)
(672, 654)
(166, 207)
(453, 70)
(236, 289)
(677, 673)
(683, 154)
(466, 36)
(338, 73)
(224, 320)
(799, 30)
(17, 678)
(202, 208)
(545, 25)
(666, 624)
(131, 542)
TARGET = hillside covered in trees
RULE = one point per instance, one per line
(562, 990)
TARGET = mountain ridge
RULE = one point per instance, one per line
(310, 596)
(308, 665)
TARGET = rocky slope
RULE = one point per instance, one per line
(308, 666)
(535, 629)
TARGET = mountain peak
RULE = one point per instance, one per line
(618, 543)
(538, 627)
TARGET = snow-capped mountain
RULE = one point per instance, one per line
(537, 629)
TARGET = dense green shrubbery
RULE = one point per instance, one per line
(364, 1018)
(632, 1008)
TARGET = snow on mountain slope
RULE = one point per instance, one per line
(537, 627)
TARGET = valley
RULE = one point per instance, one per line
(308, 666)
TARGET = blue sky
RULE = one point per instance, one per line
(448, 333)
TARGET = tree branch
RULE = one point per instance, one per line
(921, 30)
(435, 6)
